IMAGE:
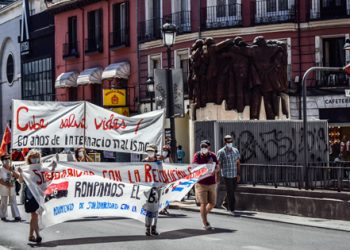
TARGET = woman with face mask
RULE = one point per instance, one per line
(82, 156)
(166, 154)
(8, 178)
(31, 205)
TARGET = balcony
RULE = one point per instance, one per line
(150, 30)
(272, 11)
(70, 50)
(182, 20)
(93, 45)
(221, 16)
(119, 38)
(331, 80)
(329, 9)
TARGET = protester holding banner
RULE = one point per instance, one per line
(8, 178)
(30, 204)
(206, 188)
(153, 196)
(82, 156)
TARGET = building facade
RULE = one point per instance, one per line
(96, 55)
(10, 64)
(314, 31)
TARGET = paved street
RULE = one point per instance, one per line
(181, 230)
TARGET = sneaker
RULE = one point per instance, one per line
(208, 227)
(3, 219)
(232, 213)
(18, 219)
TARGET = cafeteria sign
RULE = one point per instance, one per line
(114, 97)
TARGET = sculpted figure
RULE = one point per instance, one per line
(240, 74)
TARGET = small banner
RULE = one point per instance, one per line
(75, 190)
(63, 124)
(114, 97)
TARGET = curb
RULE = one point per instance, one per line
(179, 207)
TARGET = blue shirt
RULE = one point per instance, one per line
(180, 155)
(228, 161)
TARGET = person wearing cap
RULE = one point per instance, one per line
(229, 160)
(8, 178)
(153, 196)
(205, 189)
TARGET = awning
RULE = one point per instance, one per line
(67, 79)
(89, 76)
(117, 70)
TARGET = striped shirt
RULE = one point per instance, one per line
(228, 161)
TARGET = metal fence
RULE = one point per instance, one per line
(331, 176)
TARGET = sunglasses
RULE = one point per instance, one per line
(204, 146)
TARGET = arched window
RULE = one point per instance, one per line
(10, 68)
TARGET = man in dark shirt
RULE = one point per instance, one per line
(206, 188)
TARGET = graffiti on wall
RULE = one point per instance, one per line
(270, 142)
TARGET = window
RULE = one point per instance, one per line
(37, 81)
(70, 48)
(153, 17)
(276, 5)
(274, 11)
(10, 69)
(94, 41)
(226, 8)
(333, 56)
(181, 15)
(120, 35)
(184, 64)
(72, 31)
(154, 63)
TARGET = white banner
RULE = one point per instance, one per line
(76, 190)
(63, 124)
(113, 132)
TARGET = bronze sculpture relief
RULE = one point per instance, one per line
(239, 73)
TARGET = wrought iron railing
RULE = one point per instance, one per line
(221, 16)
(93, 45)
(329, 9)
(119, 38)
(268, 12)
(71, 49)
(181, 19)
(150, 30)
(332, 80)
(331, 176)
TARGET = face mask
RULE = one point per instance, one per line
(6, 162)
(165, 153)
(150, 154)
(204, 150)
(229, 145)
(81, 154)
(35, 160)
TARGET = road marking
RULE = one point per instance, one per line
(256, 248)
(3, 248)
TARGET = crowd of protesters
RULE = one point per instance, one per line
(227, 171)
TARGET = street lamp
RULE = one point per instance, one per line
(150, 89)
(169, 35)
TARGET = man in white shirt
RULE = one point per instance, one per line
(7, 189)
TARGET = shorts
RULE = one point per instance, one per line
(205, 193)
(30, 206)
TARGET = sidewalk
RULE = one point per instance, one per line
(341, 225)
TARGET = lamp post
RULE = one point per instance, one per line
(169, 35)
(150, 89)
